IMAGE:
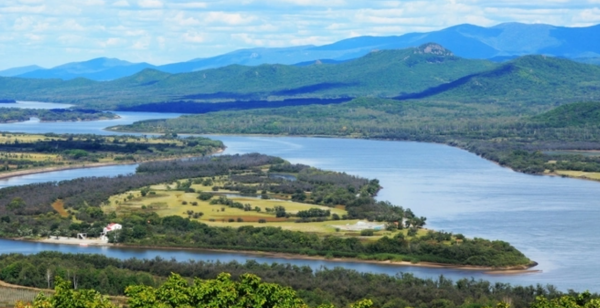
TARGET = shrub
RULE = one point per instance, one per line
(240, 220)
(262, 221)
(204, 196)
(367, 232)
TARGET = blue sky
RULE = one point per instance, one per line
(53, 32)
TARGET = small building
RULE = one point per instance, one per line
(112, 227)
(109, 228)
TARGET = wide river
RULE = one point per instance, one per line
(554, 221)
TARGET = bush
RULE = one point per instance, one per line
(240, 220)
(204, 196)
(231, 220)
(215, 188)
(262, 221)
(194, 203)
(184, 202)
(367, 232)
(412, 232)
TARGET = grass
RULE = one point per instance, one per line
(167, 203)
(579, 174)
(58, 206)
(574, 152)
(9, 296)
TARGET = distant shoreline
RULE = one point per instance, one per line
(86, 166)
(510, 270)
(357, 138)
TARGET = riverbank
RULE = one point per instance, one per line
(90, 165)
(511, 270)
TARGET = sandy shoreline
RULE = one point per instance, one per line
(85, 166)
(59, 168)
(515, 270)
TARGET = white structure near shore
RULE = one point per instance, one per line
(111, 227)
(362, 225)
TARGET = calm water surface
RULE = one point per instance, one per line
(552, 220)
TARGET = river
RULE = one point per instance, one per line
(552, 220)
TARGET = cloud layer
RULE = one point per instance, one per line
(53, 32)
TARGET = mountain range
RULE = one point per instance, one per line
(427, 72)
(498, 43)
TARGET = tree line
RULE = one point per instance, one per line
(339, 287)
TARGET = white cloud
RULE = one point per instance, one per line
(150, 4)
(177, 30)
(228, 18)
(193, 37)
(121, 3)
(189, 5)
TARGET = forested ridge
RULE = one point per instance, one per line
(496, 132)
(339, 287)
(32, 215)
(8, 115)
(380, 73)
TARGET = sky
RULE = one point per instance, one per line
(54, 32)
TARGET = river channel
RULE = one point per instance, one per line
(553, 220)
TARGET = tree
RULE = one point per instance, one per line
(66, 297)
(221, 292)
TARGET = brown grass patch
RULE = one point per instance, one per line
(340, 207)
(59, 206)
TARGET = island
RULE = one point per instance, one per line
(248, 203)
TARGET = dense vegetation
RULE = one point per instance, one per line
(380, 73)
(53, 115)
(524, 143)
(26, 214)
(338, 286)
(24, 151)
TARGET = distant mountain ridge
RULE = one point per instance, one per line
(96, 69)
(498, 43)
(384, 73)
(16, 71)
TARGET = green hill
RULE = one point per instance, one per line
(529, 79)
(380, 73)
(576, 114)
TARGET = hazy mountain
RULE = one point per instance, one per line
(381, 73)
(95, 69)
(19, 70)
(499, 43)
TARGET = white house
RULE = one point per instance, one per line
(109, 228)
(112, 227)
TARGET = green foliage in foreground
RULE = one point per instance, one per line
(221, 292)
(337, 286)
(249, 291)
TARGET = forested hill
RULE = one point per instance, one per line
(529, 79)
(380, 73)
(576, 114)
